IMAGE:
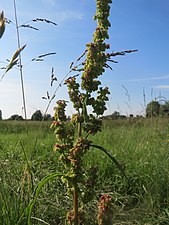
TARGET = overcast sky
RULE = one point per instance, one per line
(135, 24)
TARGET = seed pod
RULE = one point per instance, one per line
(2, 24)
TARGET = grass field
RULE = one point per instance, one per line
(140, 145)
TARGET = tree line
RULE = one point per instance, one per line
(153, 109)
(157, 108)
(36, 116)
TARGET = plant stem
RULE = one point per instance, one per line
(79, 129)
(75, 191)
(75, 204)
(20, 62)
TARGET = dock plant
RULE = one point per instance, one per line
(89, 98)
(73, 135)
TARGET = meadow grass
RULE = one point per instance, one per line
(140, 145)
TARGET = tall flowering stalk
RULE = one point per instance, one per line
(89, 100)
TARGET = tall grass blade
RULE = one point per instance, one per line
(40, 220)
(37, 191)
(113, 159)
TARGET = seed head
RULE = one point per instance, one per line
(2, 23)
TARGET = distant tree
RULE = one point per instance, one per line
(47, 117)
(115, 115)
(164, 109)
(123, 117)
(139, 116)
(0, 114)
(16, 117)
(131, 115)
(153, 109)
(37, 116)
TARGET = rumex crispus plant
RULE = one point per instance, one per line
(89, 101)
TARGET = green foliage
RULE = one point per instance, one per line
(47, 117)
(37, 116)
(16, 117)
(157, 108)
(72, 136)
(72, 141)
(116, 115)
(141, 147)
(153, 109)
(37, 192)
(164, 109)
(0, 114)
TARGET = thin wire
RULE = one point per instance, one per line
(20, 61)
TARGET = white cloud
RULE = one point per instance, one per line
(164, 77)
(68, 15)
(162, 87)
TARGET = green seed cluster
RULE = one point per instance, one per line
(60, 111)
(96, 57)
(90, 94)
(63, 129)
(94, 67)
(93, 125)
(73, 91)
(100, 103)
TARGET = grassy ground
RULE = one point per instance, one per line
(141, 146)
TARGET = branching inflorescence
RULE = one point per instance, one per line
(89, 100)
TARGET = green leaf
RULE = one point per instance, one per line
(37, 192)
